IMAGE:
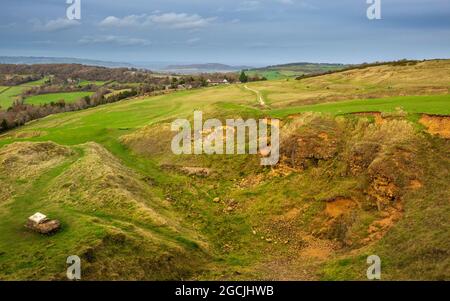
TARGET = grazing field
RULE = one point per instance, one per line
(293, 70)
(430, 78)
(9, 95)
(97, 83)
(346, 186)
(54, 97)
(36, 82)
(273, 74)
(436, 104)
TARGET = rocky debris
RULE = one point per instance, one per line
(361, 155)
(378, 116)
(415, 184)
(308, 150)
(339, 206)
(381, 226)
(196, 171)
(437, 125)
(381, 156)
(250, 181)
(383, 191)
(306, 146)
(230, 205)
(336, 219)
(38, 222)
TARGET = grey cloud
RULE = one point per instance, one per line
(193, 40)
(249, 5)
(286, 1)
(182, 20)
(132, 20)
(54, 25)
(171, 20)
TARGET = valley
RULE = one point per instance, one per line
(365, 160)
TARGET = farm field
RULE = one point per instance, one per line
(293, 70)
(35, 83)
(273, 74)
(54, 97)
(8, 95)
(97, 83)
(347, 186)
(435, 104)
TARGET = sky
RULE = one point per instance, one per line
(250, 32)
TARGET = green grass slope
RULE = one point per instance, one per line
(102, 206)
(68, 97)
(293, 70)
(436, 104)
(9, 95)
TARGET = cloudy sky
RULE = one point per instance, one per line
(227, 31)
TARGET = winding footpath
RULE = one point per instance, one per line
(258, 95)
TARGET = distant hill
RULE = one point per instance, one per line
(29, 60)
(209, 67)
(160, 66)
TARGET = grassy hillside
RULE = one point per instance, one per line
(293, 70)
(347, 186)
(435, 104)
(422, 78)
(97, 83)
(9, 95)
(54, 97)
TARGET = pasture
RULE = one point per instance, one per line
(68, 97)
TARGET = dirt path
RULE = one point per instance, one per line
(258, 95)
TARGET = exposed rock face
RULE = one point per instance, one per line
(379, 158)
(361, 156)
(306, 148)
(45, 227)
(437, 125)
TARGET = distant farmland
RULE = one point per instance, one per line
(54, 97)
(8, 95)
